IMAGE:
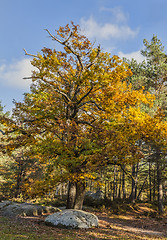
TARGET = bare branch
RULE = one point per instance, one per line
(57, 90)
(28, 54)
(67, 46)
(63, 94)
(30, 77)
(68, 38)
(2, 132)
(91, 101)
(65, 81)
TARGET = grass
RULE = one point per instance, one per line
(27, 229)
(113, 225)
(20, 229)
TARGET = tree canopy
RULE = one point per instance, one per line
(81, 113)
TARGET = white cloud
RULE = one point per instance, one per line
(117, 13)
(12, 75)
(135, 55)
(92, 29)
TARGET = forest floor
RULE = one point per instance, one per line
(139, 222)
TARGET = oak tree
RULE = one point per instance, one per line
(80, 113)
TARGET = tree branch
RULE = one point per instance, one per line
(28, 54)
(85, 95)
(98, 52)
(81, 105)
(2, 132)
(67, 46)
(85, 122)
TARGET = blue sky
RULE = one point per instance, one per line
(118, 25)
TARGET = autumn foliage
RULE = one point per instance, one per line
(80, 114)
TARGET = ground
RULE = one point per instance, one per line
(139, 222)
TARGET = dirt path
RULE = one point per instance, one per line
(143, 226)
(135, 222)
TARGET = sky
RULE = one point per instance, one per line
(119, 26)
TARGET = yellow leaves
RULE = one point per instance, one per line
(75, 177)
(81, 111)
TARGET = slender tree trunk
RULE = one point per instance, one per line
(141, 189)
(71, 195)
(114, 184)
(119, 189)
(123, 183)
(154, 184)
(160, 189)
(136, 176)
(132, 195)
(80, 194)
(105, 190)
(150, 183)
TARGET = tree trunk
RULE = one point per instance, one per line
(123, 183)
(150, 184)
(19, 178)
(80, 194)
(138, 197)
(133, 189)
(119, 189)
(114, 184)
(71, 195)
(160, 189)
(154, 184)
(17, 192)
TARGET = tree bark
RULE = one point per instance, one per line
(80, 194)
(123, 183)
(150, 183)
(119, 189)
(114, 184)
(160, 189)
(138, 196)
(133, 189)
(71, 195)
(18, 185)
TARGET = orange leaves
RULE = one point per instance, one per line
(81, 113)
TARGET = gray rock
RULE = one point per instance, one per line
(99, 195)
(72, 219)
(5, 203)
(12, 209)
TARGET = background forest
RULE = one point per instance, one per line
(91, 122)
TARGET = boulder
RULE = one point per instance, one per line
(72, 219)
(5, 203)
(94, 199)
(12, 209)
(99, 195)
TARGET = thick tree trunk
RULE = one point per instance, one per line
(71, 195)
(80, 194)
(17, 192)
